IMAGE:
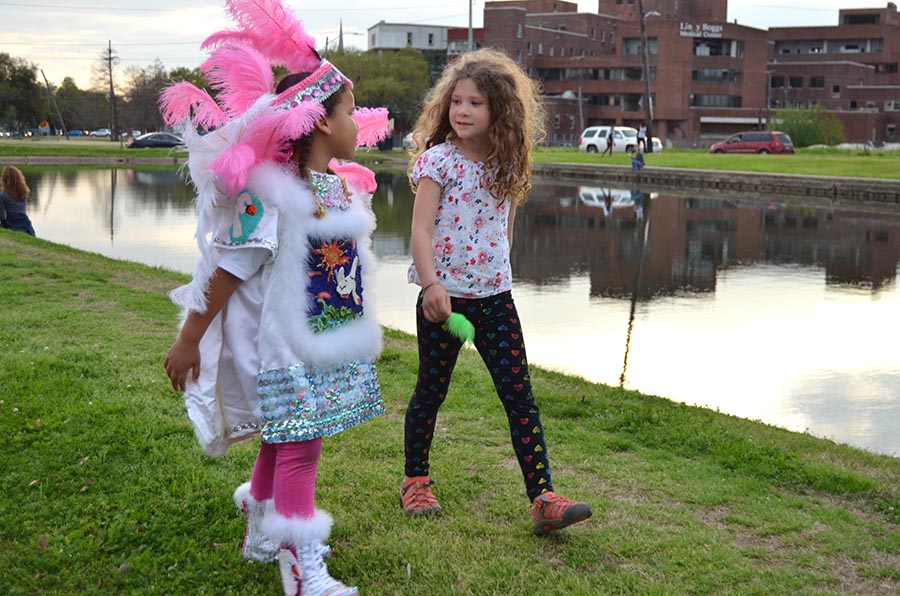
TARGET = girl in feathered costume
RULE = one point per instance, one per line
(279, 337)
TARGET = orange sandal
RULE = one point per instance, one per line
(416, 496)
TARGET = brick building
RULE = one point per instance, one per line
(850, 69)
(710, 81)
(708, 77)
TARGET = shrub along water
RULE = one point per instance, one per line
(106, 492)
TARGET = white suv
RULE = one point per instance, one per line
(593, 140)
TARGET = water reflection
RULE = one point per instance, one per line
(763, 309)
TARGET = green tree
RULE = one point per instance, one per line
(191, 75)
(81, 109)
(396, 80)
(23, 102)
(811, 126)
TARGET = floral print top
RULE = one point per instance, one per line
(471, 250)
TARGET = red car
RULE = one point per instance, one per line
(755, 141)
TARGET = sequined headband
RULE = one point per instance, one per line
(324, 82)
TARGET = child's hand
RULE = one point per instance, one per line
(183, 359)
(436, 304)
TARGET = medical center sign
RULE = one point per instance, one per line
(700, 30)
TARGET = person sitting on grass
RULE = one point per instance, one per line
(13, 193)
(637, 160)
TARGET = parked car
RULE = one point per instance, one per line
(75, 133)
(101, 132)
(755, 141)
(155, 139)
(593, 140)
(408, 141)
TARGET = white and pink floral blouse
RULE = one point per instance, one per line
(471, 250)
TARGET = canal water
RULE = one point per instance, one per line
(753, 306)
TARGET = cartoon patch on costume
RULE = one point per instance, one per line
(335, 283)
(247, 215)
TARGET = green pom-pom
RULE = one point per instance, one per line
(461, 327)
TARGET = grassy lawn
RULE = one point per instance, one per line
(106, 492)
(813, 162)
(816, 162)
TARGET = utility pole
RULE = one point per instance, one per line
(55, 106)
(645, 56)
(114, 127)
(471, 40)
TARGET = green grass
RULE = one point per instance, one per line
(813, 162)
(106, 492)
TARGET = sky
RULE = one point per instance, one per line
(64, 38)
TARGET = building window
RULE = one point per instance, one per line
(776, 83)
(540, 49)
(717, 75)
(835, 91)
(892, 105)
(556, 121)
(519, 31)
(716, 101)
(552, 51)
(431, 39)
(571, 122)
(593, 34)
(528, 49)
(853, 105)
(817, 82)
(795, 82)
(631, 46)
(409, 38)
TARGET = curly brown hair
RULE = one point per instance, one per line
(517, 118)
(12, 182)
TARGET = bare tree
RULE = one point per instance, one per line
(103, 77)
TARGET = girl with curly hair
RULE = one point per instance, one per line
(471, 169)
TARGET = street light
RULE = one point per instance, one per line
(645, 58)
(339, 39)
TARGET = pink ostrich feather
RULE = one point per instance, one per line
(233, 165)
(274, 31)
(359, 178)
(241, 74)
(269, 136)
(176, 102)
(373, 126)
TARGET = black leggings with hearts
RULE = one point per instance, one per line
(498, 339)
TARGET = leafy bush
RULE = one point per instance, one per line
(811, 126)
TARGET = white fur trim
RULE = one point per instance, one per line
(295, 203)
(295, 531)
(242, 495)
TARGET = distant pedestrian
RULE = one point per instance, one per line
(642, 137)
(609, 141)
(14, 193)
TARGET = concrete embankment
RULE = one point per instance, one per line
(100, 160)
(875, 190)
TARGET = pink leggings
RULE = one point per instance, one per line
(286, 472)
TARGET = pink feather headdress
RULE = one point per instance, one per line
(258, 125)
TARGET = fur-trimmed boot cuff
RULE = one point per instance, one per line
(300, 560)
(257, 546)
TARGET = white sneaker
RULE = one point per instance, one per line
(316, 580)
